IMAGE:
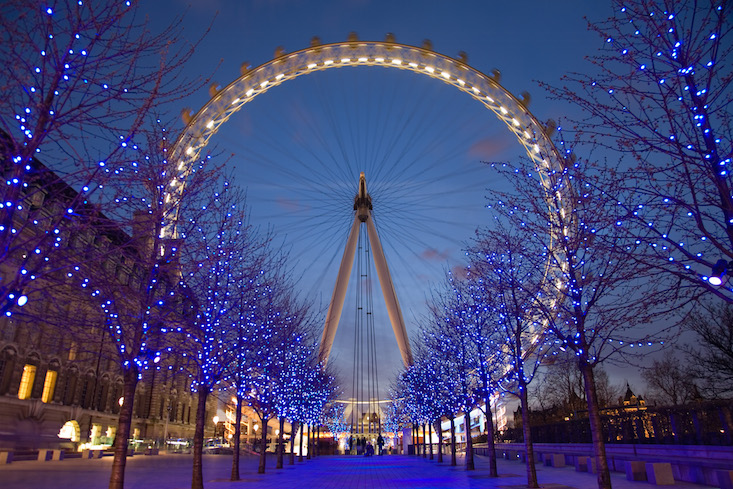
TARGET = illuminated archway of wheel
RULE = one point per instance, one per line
(300, 151)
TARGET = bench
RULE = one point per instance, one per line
(635, 470)
(659, 473)
(46, 455)
(555, 460)
(725, 479)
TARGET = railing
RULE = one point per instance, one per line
(709, 424)
(690, 463)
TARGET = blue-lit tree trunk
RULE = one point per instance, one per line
(197, 478)
(293, 430)
(237, 439)
(280, 443)
(452, 439)
(263, 447)
(430, 434)
(439, 431)
(527, 434)
(117, 477)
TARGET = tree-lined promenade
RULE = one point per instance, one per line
(146, 265)
(387, 472)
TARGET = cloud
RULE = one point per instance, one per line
(491, 147)
(291, 205)
(434, 255)
(459, 271)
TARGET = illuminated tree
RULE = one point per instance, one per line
(248, 299)
(513, 283)
(275, 371)
(659, 96)
(449, 335)
(431, 387)
(81, 81)
(135, 279)
(590, 297)
(411, 391)
(219, 252)
(474, 322)
(393, 421)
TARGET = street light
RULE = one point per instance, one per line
(718, 272)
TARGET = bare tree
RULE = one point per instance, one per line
(712, 358)
(608, 393)
(670, 383)
(560, 385)
(659, 92)
(84, 78)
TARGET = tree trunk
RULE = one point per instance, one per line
(316, 441)
(197, 480)
(414, 439)
(418, 447)
(293, 430)
(424, 443)
(124, 423)
(280, 444)
(430, 434)
(237, 434)
(493, 471)
(263, 452)
(452, 441)
(439, 430)
(596, 428)
(469, 442)
(302, 432)
(308, 445)
(531, 470)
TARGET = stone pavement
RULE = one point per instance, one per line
(325, 472)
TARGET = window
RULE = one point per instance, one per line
(26, 381)
(70, 386)
(73, 349)
(49, 385)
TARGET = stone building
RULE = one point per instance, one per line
(60, 383)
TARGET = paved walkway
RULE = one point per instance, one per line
(325, 472)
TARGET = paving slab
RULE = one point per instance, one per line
(326, 472)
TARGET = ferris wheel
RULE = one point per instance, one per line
(302, 149)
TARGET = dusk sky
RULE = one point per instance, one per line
(299, 148)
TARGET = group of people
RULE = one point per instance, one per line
(363, 446)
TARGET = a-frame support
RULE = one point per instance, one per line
(363, 208)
